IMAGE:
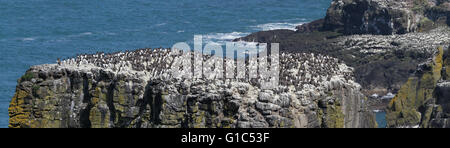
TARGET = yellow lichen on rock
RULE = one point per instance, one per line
(335, 117)
(69, 96)
(446, 64)
(99, 114)
(403, 108)
(438, 64)
(99, 118)
(19, 116)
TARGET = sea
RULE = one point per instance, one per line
(34, 32)
(380, 117)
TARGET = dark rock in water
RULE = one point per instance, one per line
(316, 25)
(267, 36)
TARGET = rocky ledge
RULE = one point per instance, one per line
(424, 101)
(384, 40)
(386, 17)
(132, 89)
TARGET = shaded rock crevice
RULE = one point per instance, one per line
(85, 113)
(110, 102)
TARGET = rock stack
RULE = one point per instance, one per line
(424, 100)
(133, 89)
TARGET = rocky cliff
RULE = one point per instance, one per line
(132, 89)
(384, 40)
(382, 62)
(385, 16)
(424, 100)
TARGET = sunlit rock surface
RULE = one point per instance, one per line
(424, 100)
(134, 89)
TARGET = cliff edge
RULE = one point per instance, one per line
(424, 100)
(386, 17)
(101, 91)
(384, 40)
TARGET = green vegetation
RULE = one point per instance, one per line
(425, 24)
(335, 117)
(446, 75)
(27, 77)
(403, 110)
(35, 89)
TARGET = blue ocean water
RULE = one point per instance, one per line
(381, 119)
(36, 32)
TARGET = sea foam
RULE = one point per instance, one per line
(222, 38)
(275, 26)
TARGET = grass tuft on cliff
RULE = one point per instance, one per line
(27, 77)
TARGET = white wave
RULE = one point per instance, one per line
(80, 34)
(275, 26)
(378, 111)
(374, 96)
(408, 126)
(28, 39)
(180, 31)
(161, 24)
(222, 38)
(388, 96)
(86, 33)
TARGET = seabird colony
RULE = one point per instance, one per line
(301, 70)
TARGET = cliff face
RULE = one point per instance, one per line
(382, 62)
(132, 90)
(424, 100)
(97, 91)
(385, 16)
(384, 40)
